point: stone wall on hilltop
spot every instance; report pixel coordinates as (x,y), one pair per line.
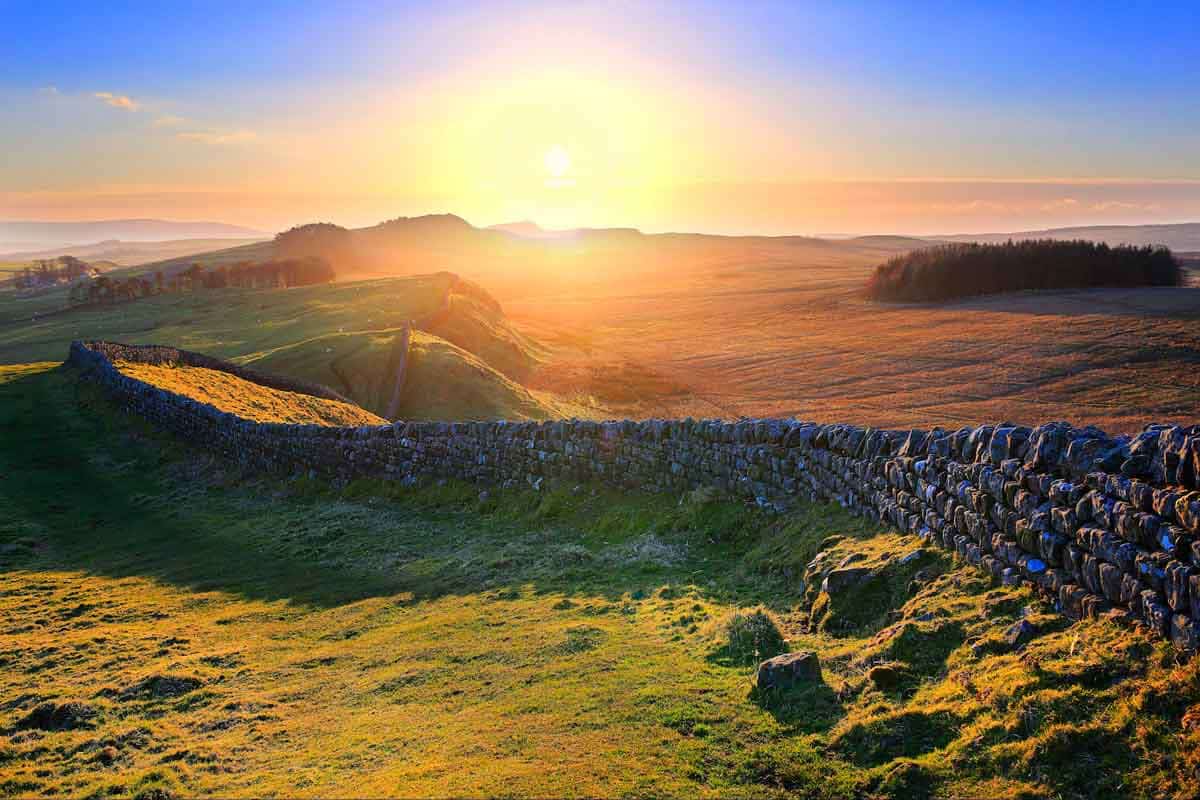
(1099,524)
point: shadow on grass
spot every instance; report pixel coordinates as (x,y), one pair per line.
(813,708)
(118,526)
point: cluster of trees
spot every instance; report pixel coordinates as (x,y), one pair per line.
(964,270)
(51,271)
(275,274)
(101,289)
(279,273)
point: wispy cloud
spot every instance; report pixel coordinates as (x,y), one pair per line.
(1119,205)
(51,90)
(169,121)
(122,101)
(1061,204)
(217,137)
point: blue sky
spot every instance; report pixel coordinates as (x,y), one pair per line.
(370,101)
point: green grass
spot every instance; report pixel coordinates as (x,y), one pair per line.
(340,335)
(241,635)
(241,324)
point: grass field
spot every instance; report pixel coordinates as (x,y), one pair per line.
(234,635)
(768,329)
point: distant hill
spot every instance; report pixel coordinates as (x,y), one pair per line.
(1181,236)
(126,254)
(518,258)
(32,235)
(528,229)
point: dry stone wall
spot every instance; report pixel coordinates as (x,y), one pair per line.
(1099,524)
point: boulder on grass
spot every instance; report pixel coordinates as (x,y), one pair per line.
(1020,633)
(885,676)
(788,670)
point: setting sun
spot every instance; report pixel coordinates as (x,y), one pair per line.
(557,161)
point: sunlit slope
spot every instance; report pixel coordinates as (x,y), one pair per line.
(248,400)
(474,321)
(467,362)
(442,380)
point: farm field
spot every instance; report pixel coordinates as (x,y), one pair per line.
(763,336)
(181,628)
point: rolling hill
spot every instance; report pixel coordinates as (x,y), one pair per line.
(36,235)
(466,360)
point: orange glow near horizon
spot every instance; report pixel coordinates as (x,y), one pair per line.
(572,117)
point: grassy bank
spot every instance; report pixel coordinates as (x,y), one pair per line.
(169,626)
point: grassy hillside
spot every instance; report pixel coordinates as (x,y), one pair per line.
(443,381)
(248,400)
(341,335)
(213,257)
(170,628)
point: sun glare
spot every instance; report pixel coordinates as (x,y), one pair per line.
(557,161)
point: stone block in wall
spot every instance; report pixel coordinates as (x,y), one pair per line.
(1141,496)
(1176,585)
(1027,535)
(1111,582)
(1090,573)
(1194,595)
(1063,520)
(1051,546)
(1046,443)
(1176,541)
(1163,500)
(1070,599)
(1187,511)
(1155,613)
(1151,570)
(1185,632)
(1052,580)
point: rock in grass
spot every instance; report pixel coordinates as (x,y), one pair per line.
(884,676)
(839,580)
(1019,633)
(788,670)
(67,716)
